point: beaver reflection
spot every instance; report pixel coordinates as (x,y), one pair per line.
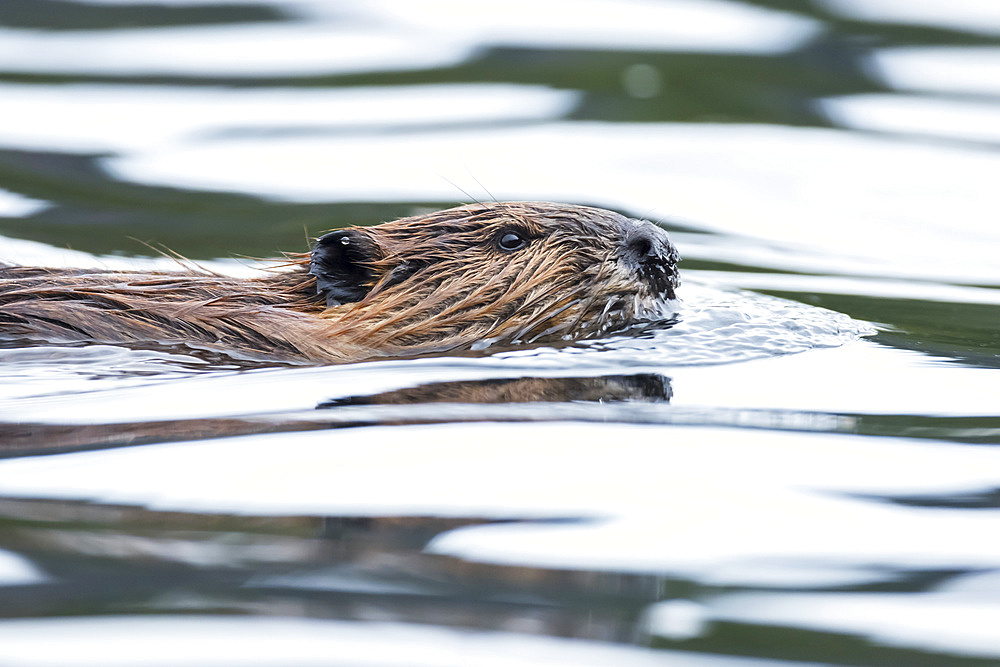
(606,389)
(462,279)
(19,438)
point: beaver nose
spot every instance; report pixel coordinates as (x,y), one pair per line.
(649,252)
(643,246)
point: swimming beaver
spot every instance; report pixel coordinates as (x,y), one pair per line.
(464,278)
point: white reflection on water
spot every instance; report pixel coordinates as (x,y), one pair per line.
(981,16)
(867,287)
(186,3)
(90,118)
(281,49)
(916,115)
(823,380)
(30,371)
(860,378)
(16,570)
(678,25)
(33,253)
(15,206)
(348,37)
(132,641)
(877,205)
(956,69)
(961,618)
(719,505)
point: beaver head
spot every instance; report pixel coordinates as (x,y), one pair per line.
(504,273)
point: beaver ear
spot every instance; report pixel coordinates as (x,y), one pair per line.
(342,263)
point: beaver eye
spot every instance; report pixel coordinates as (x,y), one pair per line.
(511,241)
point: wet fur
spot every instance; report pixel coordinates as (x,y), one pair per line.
(428,283)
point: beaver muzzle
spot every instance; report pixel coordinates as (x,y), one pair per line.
(648,252)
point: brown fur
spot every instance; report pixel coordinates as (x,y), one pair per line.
(428,283)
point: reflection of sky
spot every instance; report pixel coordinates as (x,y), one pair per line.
(678,25)
(899,382)
(166,640)
(14,205)
(16,570)
(130,119)
(372,36)
(712,504)
(253,50)
(957,69)
(962,622)
(721,506)
(917,115)
(982,16)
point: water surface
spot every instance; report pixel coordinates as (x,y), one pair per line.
(801,470)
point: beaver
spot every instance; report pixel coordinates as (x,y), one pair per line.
(465,278)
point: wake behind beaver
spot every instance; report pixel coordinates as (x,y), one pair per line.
(507,273)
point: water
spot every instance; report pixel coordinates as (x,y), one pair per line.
(802,470)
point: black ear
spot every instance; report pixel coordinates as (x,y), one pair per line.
(342,263)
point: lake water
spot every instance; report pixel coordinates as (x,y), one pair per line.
(803,470)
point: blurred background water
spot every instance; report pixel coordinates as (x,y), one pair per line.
(803,470)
